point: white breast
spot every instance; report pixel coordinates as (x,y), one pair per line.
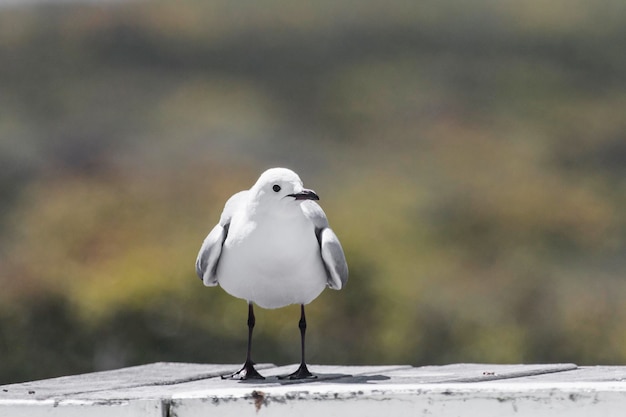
(274,263)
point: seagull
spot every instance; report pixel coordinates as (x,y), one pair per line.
(273,247)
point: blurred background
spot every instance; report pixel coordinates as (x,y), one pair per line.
(470,155)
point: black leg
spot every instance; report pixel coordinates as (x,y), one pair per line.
(302,372)
(248,371)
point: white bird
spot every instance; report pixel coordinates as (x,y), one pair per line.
(273,247)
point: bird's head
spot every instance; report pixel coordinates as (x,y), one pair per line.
(280,187)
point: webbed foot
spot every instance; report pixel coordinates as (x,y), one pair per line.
(245,373)
(301,373)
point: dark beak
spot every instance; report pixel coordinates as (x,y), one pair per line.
(305,195)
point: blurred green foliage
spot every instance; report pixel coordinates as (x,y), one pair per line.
(471,156)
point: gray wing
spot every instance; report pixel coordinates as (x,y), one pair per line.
(211,249)
(209,255)
(330,249)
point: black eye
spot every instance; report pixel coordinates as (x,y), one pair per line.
(276,188)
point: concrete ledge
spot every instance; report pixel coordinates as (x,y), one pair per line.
(185,390)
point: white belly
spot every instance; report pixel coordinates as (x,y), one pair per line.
(271,265)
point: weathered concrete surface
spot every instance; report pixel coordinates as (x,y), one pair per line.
(186,390)
(458,399)
(162,373)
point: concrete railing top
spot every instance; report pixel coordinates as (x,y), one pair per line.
(185,390)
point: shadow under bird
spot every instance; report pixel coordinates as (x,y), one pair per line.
(273,247)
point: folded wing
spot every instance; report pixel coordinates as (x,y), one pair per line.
(331,251)
(209,255)
(211,249)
